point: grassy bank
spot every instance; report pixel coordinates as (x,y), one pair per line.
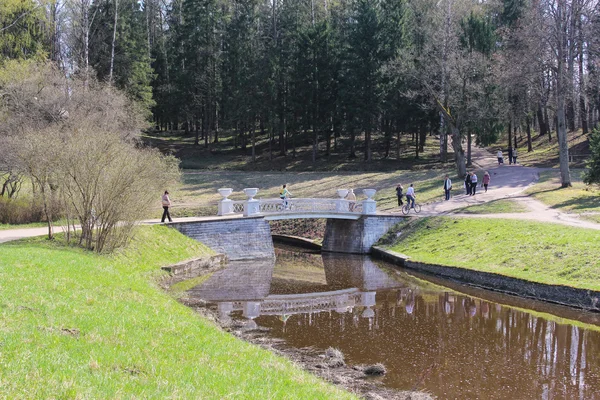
(544,151)
(578,199)
(79,325)
(501,206)
(534,251)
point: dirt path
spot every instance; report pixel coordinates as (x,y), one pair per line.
(507,182)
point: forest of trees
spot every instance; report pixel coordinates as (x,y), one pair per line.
(331,68)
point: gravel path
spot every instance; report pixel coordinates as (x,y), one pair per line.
(507,182)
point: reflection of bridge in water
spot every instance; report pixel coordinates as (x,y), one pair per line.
(342,284)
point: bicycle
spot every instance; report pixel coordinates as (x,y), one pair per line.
(406,208)
(286,204)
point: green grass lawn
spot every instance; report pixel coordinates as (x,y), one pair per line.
(534,251)
(578,198)
(78,325)
(501,206)
(545,152)
(23,226)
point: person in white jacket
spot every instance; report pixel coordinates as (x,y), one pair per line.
(447,187)
(473,183)
(410,196)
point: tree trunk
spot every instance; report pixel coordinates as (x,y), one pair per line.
(529,145)
(509,134)
(459,154)
(253,135)
(469,140)
(547,123)
(368,144)
(541,122)
(422,137)
(114,41)
(582,109)
(561,129)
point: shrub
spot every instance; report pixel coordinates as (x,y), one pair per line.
(20,211)
(592,173)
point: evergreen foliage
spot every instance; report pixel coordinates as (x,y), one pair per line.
(592,174)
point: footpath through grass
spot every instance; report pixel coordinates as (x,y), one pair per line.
(579,198)
(534,251)
(74,324)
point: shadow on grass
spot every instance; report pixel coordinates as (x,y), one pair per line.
(580,203)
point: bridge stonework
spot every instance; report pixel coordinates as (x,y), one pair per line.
(356,236)
(240,238)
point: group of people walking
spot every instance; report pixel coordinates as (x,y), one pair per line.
(471,181)
(512,156)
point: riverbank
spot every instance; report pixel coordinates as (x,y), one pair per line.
(81,325)
(544,253)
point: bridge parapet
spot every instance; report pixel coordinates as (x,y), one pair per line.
(257,207)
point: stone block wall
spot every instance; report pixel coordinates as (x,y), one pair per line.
(356,236)
(193,268)
(239,239)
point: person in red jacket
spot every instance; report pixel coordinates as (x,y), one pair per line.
(486,180)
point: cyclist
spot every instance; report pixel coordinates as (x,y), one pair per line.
(410,196)
(284,194)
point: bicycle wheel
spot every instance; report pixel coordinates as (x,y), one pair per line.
(417,208)
(405,209)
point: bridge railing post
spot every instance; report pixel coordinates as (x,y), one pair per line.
(341,204)
(251,206)
(369,205)
(225,205)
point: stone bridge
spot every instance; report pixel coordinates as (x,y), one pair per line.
(243,230)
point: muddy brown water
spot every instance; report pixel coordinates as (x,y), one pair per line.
(452,340)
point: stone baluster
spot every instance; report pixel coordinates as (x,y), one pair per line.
(225,205)
(369,205)
(341,204)
(251,206)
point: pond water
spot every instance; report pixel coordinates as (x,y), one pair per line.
(451,340)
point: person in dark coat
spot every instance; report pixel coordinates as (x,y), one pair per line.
(468,183)
(510,155)
(399,190)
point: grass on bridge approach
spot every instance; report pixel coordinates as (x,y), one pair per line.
(80,325)
(534,251)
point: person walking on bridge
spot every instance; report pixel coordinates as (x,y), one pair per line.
(166,203)
(351,197)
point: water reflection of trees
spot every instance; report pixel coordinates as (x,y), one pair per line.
(459,346)
(471,348)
